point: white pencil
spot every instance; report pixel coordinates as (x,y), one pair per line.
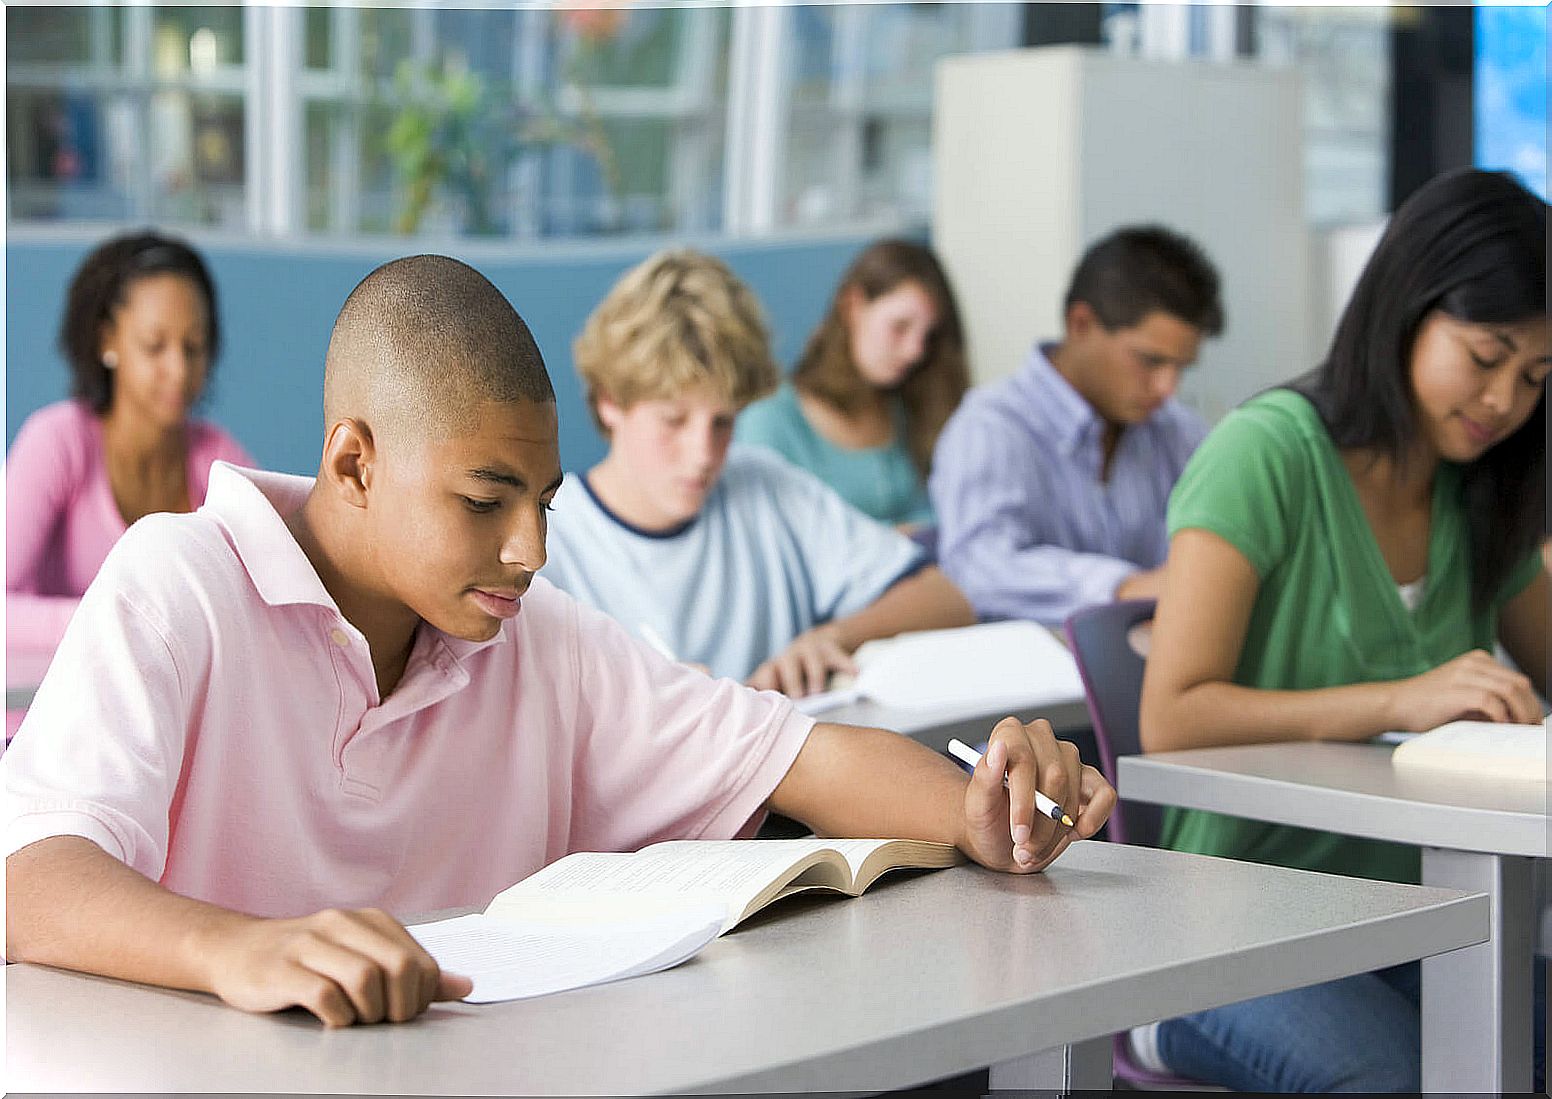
(966,754)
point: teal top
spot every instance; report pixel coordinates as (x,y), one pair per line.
(1270,482)
(880,481)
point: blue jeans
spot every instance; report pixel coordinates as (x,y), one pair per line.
(1356,1034)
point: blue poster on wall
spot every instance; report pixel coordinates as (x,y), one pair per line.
(1510,101)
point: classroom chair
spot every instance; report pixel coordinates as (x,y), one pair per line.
(1111,671)
(1112,686)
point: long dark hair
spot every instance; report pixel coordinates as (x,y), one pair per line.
(1473,244)
(933,389)
(99,287)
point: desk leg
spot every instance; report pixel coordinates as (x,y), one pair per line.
(1477,1000)
(1082,1066)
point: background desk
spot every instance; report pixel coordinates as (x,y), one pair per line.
(917,980)
(1478,835)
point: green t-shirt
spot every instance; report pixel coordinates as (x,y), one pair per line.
(1269,481)
(880,481)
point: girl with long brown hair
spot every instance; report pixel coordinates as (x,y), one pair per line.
(880,377)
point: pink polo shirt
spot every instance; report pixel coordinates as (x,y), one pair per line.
(212,720)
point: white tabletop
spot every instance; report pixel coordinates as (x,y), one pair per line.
(921,978)
(1347,788)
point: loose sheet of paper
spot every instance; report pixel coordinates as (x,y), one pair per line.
(514,960)
(993,663)
(989,665)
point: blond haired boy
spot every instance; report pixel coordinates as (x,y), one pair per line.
(741,562)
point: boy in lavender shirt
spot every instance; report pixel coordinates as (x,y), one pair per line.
(1050,486)
(311,703)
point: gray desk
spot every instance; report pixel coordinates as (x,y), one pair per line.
(1475,835)
(922,978)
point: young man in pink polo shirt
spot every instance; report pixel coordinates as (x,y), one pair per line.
(314,702)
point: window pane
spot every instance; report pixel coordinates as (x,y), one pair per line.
(903,41)
(318,137)
(615,47)
(478,41)
(49,34)
(814,63)
(67,154)
(858,141)
(386,39)
(318,38)
(196,152)
(897,168)
(196,40)
(815,156)
(1343,56)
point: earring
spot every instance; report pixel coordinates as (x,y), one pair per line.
(110,359)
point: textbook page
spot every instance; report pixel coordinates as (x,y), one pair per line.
(731,873)
(515,959)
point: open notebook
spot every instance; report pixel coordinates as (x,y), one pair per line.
(1516,753)
(991,666)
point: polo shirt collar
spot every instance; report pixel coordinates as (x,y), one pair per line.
(1063,412)
(251,505)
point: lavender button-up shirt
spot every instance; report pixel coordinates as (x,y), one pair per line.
(1027,528)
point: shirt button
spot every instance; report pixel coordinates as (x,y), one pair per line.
(340,638)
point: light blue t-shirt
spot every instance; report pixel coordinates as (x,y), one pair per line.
(880,481)
(773,553)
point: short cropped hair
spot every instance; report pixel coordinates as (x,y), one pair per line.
(1141,269)
(100,286)
(678,320)
(429,338)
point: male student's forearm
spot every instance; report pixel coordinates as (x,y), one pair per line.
(925,600)
(72,905)
(1217,714)
(860,782)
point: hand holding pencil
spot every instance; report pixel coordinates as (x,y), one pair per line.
(1019,792)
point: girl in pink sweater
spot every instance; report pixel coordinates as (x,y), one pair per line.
(140,333)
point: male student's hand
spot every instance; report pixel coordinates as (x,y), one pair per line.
(345,967)
(1002,829)
(805,667)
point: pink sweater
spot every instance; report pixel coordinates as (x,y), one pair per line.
(61,520)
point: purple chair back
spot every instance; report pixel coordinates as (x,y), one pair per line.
(1112,687)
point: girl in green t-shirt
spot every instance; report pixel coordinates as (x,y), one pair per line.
(1344,553)
(878,380)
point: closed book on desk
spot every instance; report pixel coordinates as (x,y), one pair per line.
(593,917)
(1481,748)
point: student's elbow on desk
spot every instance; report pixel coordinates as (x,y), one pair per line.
(33,897)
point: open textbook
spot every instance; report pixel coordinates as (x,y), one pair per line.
(1489,749)
(992,665)
(594,917)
